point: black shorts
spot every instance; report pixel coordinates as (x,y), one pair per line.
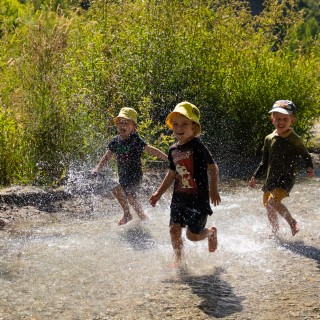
(131,189)
(194,218)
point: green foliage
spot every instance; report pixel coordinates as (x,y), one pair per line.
(66,73)
(304,37)
(8,158)
(42,116)
(9,15)
(153,133)
(311,9)
(52,4)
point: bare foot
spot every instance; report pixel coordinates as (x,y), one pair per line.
(178,264)
(213,240)
(124,220)
(175,265)
(273,236)
(274,233)
(295,228)
(144,217)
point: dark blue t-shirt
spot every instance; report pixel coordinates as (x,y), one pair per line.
(128,153)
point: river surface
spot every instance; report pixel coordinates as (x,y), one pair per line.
(77,263)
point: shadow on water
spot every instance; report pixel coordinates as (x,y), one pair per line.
(218,298)
(138,238)
(302,249)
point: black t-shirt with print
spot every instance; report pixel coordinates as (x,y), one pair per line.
(128,153)
(190,162)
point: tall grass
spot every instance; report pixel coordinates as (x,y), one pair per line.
(67,73)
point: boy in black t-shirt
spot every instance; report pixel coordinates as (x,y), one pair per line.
(190,162)
(128,147)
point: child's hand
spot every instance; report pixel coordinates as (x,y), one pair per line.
(215,197)
(252,182)
(310,173)
(94,172)
(154,199)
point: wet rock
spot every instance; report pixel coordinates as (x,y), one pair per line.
(26,195)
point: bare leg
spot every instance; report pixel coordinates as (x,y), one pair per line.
(209,233)
(137,207)
(177,244)
(273,218)
(122,199)
(213,240)
(284,212)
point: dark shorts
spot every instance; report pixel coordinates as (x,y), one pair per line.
(194,218)
(131,189)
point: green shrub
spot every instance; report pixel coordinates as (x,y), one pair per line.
(66,74)
(9,158)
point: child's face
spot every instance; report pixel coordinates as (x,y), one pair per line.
(183,128)
(125,127)
(282,122)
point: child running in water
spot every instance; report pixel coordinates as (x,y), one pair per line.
(282,151)
(189,164)
(128,147)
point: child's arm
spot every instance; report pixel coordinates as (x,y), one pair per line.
(263,165)
(106,157)
(155,152)
(214,178)
(166,183)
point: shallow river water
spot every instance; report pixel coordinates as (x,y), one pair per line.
(77,263)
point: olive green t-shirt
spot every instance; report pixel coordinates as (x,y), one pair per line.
(281,159)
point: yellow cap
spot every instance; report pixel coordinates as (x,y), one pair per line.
(127,113)
(188,110)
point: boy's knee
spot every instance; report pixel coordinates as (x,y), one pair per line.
(116,189)
(114,192)
(272,205)
(192,236)
(175,229)
(271,202)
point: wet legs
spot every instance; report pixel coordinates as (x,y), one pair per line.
(209,233)
(273,219)
(137,207)
(177,244)
(124,201)
(274,207)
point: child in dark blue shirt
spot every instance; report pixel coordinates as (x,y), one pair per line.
(128,148)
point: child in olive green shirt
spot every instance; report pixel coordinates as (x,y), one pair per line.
(282,152)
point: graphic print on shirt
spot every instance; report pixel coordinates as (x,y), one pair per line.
(185,182)
(123,152)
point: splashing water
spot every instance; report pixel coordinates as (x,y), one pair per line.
(79,264)
(82,181)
